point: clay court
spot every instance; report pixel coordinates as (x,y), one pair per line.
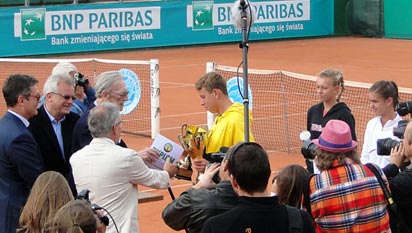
(360,59)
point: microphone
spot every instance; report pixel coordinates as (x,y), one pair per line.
(241,11)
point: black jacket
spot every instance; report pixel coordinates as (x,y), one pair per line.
(42,130)
(400,184)
(195,206)
(316,121)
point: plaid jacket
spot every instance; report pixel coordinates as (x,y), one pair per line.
(348,198)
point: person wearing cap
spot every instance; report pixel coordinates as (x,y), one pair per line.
(346,195)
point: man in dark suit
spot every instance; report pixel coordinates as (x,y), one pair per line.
(20,159)
(110,87)
(53,126)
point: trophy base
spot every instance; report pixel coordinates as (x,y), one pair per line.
(184,174)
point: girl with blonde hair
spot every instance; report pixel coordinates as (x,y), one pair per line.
(49,193)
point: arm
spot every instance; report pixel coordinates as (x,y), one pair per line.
(177,213)
(350,120)
(25,155)
(365,149)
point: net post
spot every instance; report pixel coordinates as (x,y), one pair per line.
(154,97)
(210,66)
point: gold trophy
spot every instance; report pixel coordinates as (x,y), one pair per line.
(192,139)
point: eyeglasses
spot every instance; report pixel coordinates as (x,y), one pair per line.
(38,96)
(121,94)
(66,97)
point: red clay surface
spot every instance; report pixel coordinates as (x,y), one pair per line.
(360,59)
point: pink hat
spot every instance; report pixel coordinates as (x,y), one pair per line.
(336,137)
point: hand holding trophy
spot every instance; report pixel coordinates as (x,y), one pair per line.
(192,139)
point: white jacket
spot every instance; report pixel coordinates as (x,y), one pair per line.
(111,173)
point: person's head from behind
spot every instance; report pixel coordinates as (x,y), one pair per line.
(59,93)
(21,94)
(76,216)
(48,194)
(383,97)
(249,168)
(104,121)
(335,144)
(211,88)
(329,85)
(110,87)
(65,68)
(289,183)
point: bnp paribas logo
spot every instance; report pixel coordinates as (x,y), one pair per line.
(202,15)
(32,24)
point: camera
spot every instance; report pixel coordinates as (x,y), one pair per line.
(404,108)
(385,145)
(84,195)
(80,80)
(308,149)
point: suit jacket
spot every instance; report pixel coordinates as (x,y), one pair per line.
(81,133)
(20,165)
(42,130)
(111,172)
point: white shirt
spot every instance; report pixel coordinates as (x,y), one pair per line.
(374,131)
(111,173)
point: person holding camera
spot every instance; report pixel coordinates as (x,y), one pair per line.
(346,196)
(383,98)
(85,94)
(329,89)
(204,200)
(400,182)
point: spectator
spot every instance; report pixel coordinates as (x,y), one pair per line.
(204,200)
(257,212)
(110,87)
(76,216)
(329,89)
(20,158)
(288,185)
(49,193)
(85,94)
(400,182)
(228,128)
(383,98)
(111,172)
(53,126)
(345,196)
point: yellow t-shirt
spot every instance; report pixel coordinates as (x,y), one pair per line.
(228,129)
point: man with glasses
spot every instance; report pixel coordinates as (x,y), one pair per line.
(84,92)
(53,126)
(110,87)
(20,159)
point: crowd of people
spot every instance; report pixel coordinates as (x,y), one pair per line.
(62,161)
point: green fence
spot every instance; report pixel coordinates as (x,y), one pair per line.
(398,18)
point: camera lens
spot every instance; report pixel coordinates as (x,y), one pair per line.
(308,149)
(385,145)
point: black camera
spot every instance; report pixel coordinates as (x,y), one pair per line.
(308,149)
(80,80)
(385,145)
(404,108)
(84,195)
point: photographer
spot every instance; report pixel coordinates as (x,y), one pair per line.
(400,183)
(85,94)
(204,200)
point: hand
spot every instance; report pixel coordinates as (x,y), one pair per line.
(199,164)
(79,93)
(398,155)
(101,228)
(170,168)
(206,180)
(148,155)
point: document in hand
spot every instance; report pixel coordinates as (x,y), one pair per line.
(167,149)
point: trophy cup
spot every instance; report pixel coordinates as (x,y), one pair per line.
(192,139)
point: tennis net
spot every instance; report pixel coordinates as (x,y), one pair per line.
(141,120)
(280,101)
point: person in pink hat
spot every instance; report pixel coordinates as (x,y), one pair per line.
(346,195)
